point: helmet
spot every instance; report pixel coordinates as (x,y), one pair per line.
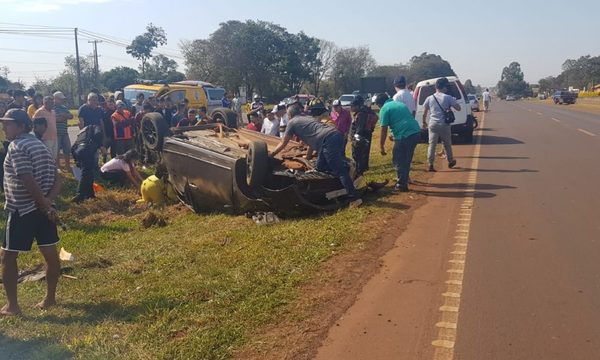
(256,97)
(316,107)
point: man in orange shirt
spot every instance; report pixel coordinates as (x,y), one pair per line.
(122,128)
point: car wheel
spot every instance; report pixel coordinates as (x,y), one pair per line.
(257,164)
(225,116)
(154,128)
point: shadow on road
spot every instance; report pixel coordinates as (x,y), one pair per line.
(494,157)
(499,140)
(457,194)
(486,129)
(494,170)
(466,186)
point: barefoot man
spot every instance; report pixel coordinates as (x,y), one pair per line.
(31,184)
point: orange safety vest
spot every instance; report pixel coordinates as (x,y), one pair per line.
(121,131)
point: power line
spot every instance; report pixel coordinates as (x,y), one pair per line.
(37,51)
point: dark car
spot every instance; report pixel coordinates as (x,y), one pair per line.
(564,97)
(215,168)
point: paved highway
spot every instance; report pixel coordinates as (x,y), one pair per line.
(503,260)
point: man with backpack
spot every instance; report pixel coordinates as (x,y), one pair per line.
(361,133)
(406,133)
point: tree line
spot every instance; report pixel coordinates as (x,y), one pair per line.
(582,73)
(258,56)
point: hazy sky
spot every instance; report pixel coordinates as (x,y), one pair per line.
(478,38)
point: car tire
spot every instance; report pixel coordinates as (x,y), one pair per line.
(154,128)
(257,164)
(225,116)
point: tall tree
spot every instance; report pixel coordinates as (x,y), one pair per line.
(141,47)
(512,81)
(322,67)
(349,66)
(163,68)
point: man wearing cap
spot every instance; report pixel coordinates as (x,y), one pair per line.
(18,100)
(270,124)
(50,136)
(122,129)
(326,141)
(63,115)
(342,120)
(406,132)
(31,184)
(403,95)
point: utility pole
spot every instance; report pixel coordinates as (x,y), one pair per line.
(96,67)
(79,89)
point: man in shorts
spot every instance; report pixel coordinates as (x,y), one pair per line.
(31,184)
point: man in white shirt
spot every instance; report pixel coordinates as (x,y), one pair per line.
(271,123)
(403,95)
(487,98)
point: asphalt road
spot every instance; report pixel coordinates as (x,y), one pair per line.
(503,260)
(531,286)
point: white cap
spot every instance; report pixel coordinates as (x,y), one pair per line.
(336,103)
(59,95)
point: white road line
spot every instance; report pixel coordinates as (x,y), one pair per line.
(556,120)
(586,132)
(540,114)
(447,325)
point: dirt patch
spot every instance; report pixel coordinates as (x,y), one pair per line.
(301,329)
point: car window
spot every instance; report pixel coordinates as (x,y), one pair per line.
(472,97)
(428,90)
(131,94)
(214,94)
(177,96)
(346,99)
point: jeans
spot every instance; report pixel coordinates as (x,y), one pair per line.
(331,159)
(439,132)
(360,153)
(88,164)
(402,156)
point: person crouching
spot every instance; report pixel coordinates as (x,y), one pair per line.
(121,170)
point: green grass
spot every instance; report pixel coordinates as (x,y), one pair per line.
(75,120)
(198,288)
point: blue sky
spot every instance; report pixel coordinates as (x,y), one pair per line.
(477,38)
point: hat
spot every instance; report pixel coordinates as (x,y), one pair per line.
(120,103)
(59,95)
(18,93)
(117,93)
(336,103)
(400,80)
(275,109)
(17,115)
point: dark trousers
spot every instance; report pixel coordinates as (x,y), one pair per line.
(87,163)
(360,153)
(402,156)
(118,177)
(332,159)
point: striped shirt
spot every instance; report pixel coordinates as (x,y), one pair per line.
(26,155)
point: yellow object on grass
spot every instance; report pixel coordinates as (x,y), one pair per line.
(153,190)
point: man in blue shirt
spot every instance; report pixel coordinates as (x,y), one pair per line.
(406,132)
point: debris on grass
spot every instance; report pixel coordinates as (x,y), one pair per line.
(151,219)
(65,255)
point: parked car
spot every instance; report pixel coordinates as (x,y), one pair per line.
(215,168)
(474,102)
(542,96)
(464,122)
(510,98)
(347,99)
(564,97)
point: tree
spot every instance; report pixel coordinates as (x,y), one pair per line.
(469,88)
(199,60)
(163,68)
(141,47)
(349,66)
(428,66)
(323,65)
(119,77)
(512,81)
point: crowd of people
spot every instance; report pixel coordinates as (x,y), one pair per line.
(36,140)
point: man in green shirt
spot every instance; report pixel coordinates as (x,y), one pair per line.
(406,132)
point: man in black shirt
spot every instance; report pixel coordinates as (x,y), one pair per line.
(18,100)
(91,114)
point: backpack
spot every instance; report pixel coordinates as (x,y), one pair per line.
(86,141)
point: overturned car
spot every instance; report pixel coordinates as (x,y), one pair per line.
(216,168)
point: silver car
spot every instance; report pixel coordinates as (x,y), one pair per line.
(474,102)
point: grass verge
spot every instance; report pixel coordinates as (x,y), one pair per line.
(198,288)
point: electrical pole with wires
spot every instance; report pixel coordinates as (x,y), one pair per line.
(79,90)
(96,66)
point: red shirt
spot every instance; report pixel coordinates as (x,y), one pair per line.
(253,127)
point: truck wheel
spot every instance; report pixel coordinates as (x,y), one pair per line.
(257,164)
(154,128)
(225,116)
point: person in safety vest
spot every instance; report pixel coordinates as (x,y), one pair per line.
(123,130)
